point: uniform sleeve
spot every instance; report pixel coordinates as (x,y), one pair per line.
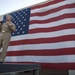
(14,27)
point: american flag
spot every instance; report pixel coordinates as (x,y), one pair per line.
(45,34)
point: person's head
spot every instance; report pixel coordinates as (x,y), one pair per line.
(0,22)
(8,17)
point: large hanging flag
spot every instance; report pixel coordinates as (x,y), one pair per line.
(45,34)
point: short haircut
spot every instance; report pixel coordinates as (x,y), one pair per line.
(9,15)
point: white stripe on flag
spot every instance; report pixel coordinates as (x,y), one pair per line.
(44,35)
(53,24)
(59,45)
(42,59)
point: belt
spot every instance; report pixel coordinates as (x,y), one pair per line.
(5,31)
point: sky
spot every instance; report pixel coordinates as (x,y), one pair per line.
(7,6)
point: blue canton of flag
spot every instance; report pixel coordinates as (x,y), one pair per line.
(21,20)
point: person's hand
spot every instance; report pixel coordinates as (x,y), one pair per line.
(8,23)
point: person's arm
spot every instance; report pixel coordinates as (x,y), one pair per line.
(12,27)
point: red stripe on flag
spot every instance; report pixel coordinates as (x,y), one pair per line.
(51,29)
(54,52)
(44,40)
(60,66)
